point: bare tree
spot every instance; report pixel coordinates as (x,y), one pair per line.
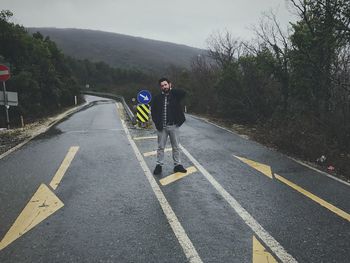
(204,75)
(223,48)
(271,35)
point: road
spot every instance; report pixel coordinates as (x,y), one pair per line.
(84,192)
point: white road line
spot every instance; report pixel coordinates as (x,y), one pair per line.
(43,129)
(279,251)
(218,126)
(186,244)
(296,160)
(93,130)
(322,172)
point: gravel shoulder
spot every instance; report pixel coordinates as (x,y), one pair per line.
(12,139)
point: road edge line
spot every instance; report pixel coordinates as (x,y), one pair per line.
(289,157)
(43,130)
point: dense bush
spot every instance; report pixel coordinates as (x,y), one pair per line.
(46,80)
(295,86)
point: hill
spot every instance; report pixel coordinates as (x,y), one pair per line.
(119,50)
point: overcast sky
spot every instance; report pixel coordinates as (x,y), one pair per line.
(188,22)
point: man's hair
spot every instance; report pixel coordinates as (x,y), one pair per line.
(163,79)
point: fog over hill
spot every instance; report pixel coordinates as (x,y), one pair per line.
(120,50)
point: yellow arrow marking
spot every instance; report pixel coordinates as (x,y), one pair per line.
(64,166)
(315,198)
(263,168)
(155,152)
(177,176)
(43,204)
(144,138)
(260,255)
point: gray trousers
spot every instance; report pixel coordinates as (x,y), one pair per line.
(173,132)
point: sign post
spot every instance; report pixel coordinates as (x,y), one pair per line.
(143,109)
(5,75)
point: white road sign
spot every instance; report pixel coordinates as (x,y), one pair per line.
(12,98)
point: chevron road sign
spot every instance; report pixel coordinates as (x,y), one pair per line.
(143,111)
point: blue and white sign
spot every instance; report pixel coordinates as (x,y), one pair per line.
(144,97)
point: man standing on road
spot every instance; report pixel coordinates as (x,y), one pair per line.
(168,116)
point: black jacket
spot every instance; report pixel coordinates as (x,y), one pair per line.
(175,97)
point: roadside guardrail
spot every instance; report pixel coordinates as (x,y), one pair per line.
(115,97)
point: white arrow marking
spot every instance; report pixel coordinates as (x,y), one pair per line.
(144,97)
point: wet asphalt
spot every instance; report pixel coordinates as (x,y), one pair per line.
(111,214)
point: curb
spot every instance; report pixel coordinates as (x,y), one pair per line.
(44,129)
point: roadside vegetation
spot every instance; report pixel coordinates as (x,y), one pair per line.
(289,86)
(292,85)
(46,80)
